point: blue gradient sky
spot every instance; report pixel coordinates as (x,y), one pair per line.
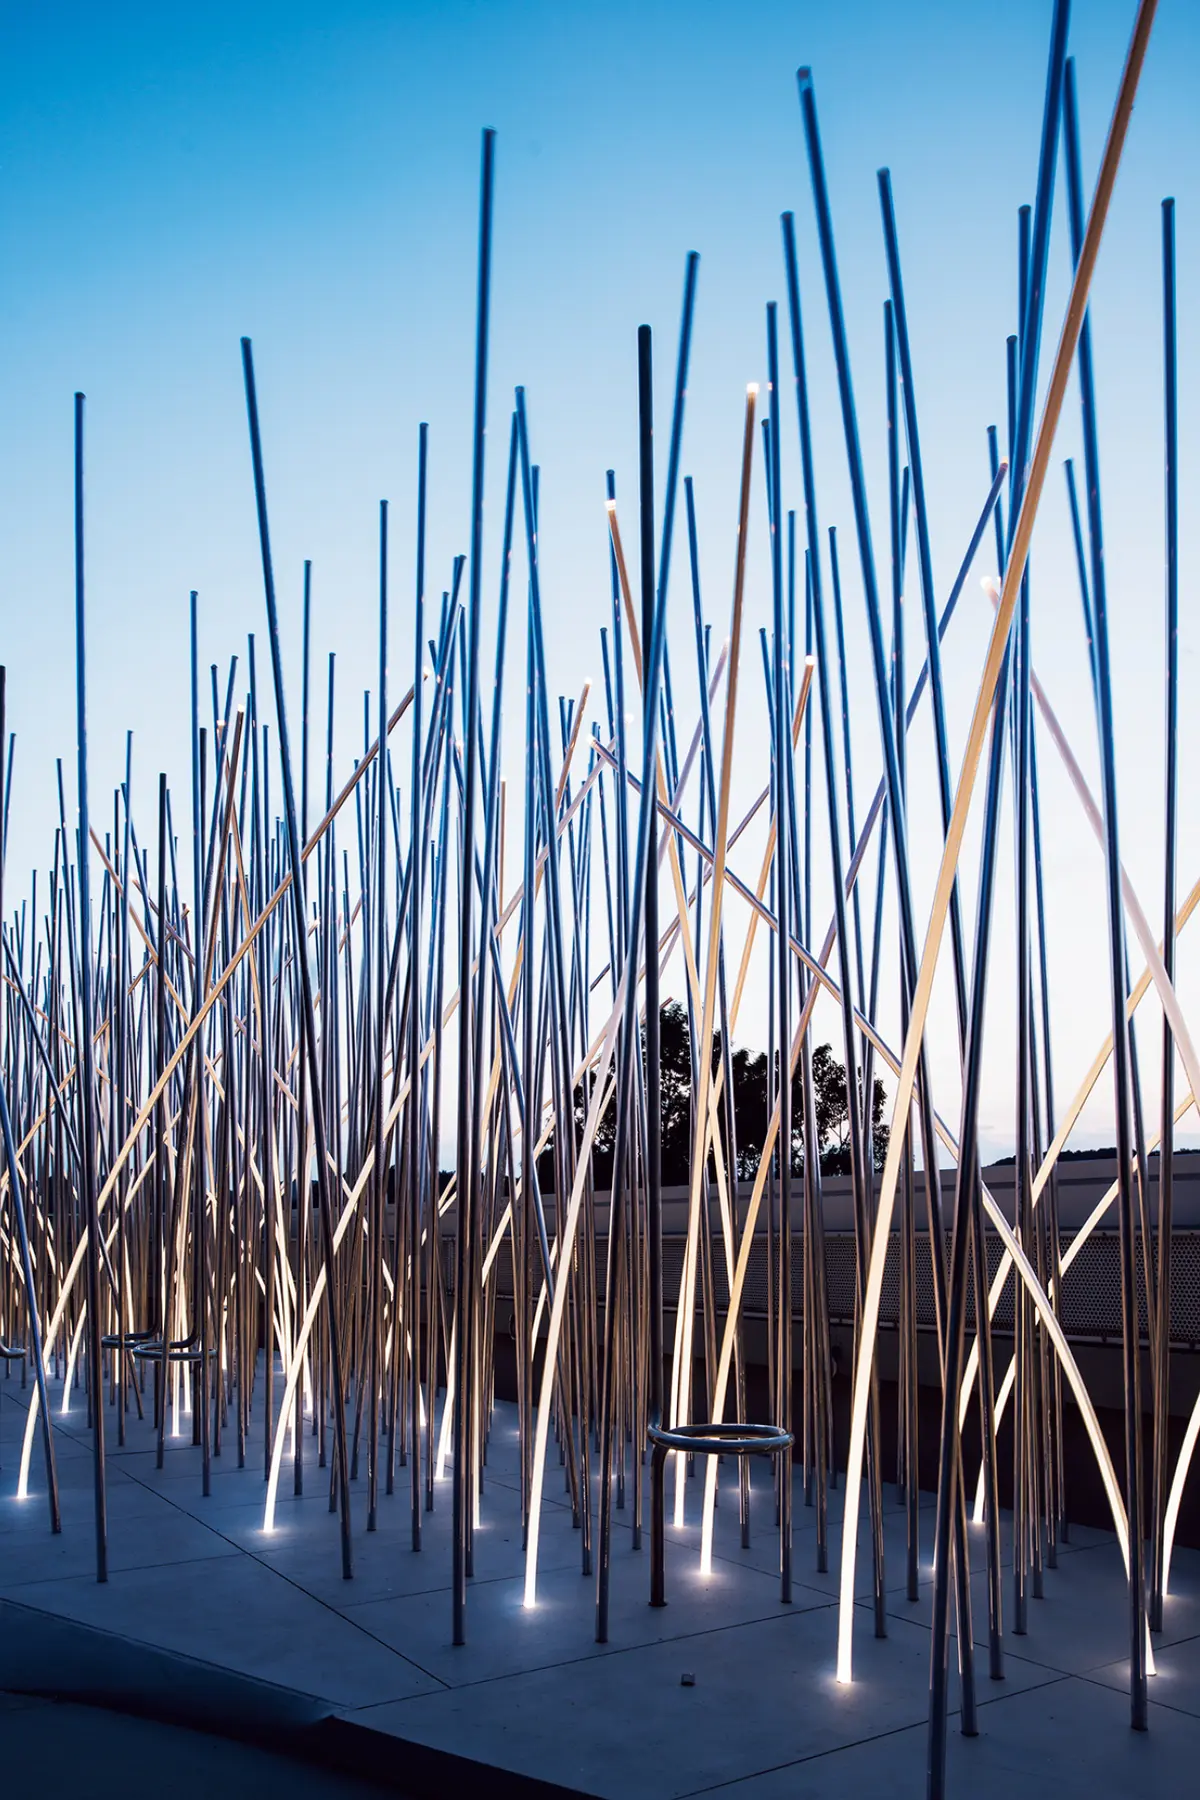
(170,179)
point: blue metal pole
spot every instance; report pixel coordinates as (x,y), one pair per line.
(783,955)
(87,1059)
(379,1185)
(416,850)
(1138,1697)
(949,1469)
(1166,1145)
(467,1157)
(308,1023)
(894,789)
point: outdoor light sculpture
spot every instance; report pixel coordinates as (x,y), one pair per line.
(178,1078)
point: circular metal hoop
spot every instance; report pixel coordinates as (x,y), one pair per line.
(132,1340)
(184,1351)
(723,1440)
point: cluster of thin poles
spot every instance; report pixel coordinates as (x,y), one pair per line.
(222,1199)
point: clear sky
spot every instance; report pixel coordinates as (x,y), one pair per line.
(171,178)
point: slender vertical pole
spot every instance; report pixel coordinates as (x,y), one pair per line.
(784,814)
(1138,1697)
(899,318)
(35,1333)
(162,1185)
(1129,1311)
(307,1020)
(87,1057)
(199,1095)
(903,889)
(949,1463)
(468,1136)
(14,1176)
(305,672)
(416,851)
(121,1095)
(375,1286)
(653,1163)
(862,1228)
(1166,1142)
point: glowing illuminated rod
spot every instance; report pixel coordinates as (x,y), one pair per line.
(973,753)
(1155,971)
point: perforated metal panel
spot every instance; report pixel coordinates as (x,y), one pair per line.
(1089,1304)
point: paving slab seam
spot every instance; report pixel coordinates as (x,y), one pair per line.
(603,1653)
(870,1737)
(1018,1656)
(12,1590)
(238,1549)
(734,1562)
(823,1603)
(280,1575)
(66,1626)
(289,1721)
(1090,1676)
(338,1613)
(357,1741)
(475,1582)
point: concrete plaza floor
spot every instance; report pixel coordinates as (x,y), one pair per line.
(55,1747)
(208,1621)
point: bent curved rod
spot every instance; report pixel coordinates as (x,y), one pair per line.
(817,967)
(401,1093)
(972,756)
(212,995)
(601,1094)
(1155,972)
(354,1194)
(1014,1254)
(1175,1497)
(951,1145)
(1069,1254)
(181,1049)
(594,1055)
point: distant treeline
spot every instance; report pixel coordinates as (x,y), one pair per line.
(753,1096)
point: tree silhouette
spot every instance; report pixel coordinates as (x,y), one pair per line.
(753,1098)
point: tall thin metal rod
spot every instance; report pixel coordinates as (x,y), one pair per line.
(784,818)
(88,1171)
(649,897)
(308,1023)
(922,993)
(467,1149)
(949,1471)
(858,1188)
(416,850)
(1166,1143)
(379,1184)
(35,1330)
(1134,1496)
